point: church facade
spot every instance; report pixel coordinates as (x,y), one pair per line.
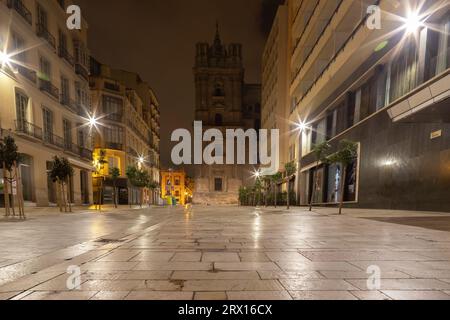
(223,101)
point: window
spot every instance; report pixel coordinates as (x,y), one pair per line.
(67,128)
(21,109)
(112,108)
(17,44)
(218,184)
(113,134)
(177,181)
(42,17)
(65,90)
(45,68)
(81,96)
(219,120)
(113,162)
(218,91)
(48,124)
(81,137)
(62,42)
(404,71)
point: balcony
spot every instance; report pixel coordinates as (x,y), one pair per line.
(111,86)
(21,9)
(113,145)
(47,87)
(63,53)
(43,33)
(82,71)
(69,103)
(27,73)
(28,129)
(53,140)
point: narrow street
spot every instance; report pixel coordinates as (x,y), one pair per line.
(226,253)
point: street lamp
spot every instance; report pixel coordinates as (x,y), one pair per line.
(5,59)
(413,22)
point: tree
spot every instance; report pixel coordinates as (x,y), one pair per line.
(243,195)
(276,180)
(9,159)
(290,170)
(138,178)
(348,152)
(267,182)
(319,151)
(257,192)
(153,187)
(60,173)
(114,174)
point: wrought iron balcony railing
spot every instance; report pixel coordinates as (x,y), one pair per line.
(69,103)
(27,73)
(48,87)
(82,71)
(43,33)
(21,9)
(29,129)
(63,53)
(52,139)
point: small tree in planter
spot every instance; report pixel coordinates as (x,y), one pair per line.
(10,158)
(114,174)
(276,180)
(139,179)
(290,170)
(257,192)
(319,151)
(348,152)
(60,173)
(266,184)
(153,187)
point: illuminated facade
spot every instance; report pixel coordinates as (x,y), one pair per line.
(223,101)
(44,96)
(127,132)
(385,88)
(176,184)
(275,82)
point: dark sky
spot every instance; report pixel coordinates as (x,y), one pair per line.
(156,38)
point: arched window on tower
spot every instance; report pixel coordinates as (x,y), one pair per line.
(219,119)
(218,90)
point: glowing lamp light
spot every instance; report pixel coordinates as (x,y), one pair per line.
(141,159)
(4,59)
(93,122)
(302,126)
(412,23)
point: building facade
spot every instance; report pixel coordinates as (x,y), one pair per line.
(275,82)
(386,89)
(223,101)
(175,183)
(127,132)
(44,94)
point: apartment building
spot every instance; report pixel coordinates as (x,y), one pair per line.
(275,81)
(44,95)
(385,88)
(126,132)
(175,183)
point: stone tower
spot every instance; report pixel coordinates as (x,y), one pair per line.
(221,103)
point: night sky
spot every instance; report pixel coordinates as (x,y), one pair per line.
(156,38)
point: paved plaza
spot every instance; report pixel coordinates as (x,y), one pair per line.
(226,253)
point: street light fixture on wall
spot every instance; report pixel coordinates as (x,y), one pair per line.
(413,22)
